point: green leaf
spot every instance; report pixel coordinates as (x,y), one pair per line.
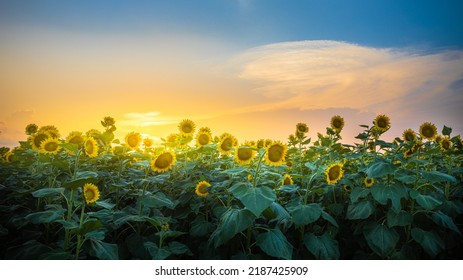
(445,221)
(438,177)
(103,250)
(157,200)
(358,193)
(232,222)
(405,178)
(44,217)
(48,192)
(280,211)
(90,225)
(254,199)
(234,171)
(384,193)
(401,218)
(305,214)
(105,204)
(329,218)
(381,239)
(360,210)
(429,241)
(322,247)
(426,201)
(30,250)
(79,183)
(446,131)
(178,248)
(156,252)
(96,235)
(275,244)
(200,227)
(379,169)
(70,146)
(310,166)
(128,218)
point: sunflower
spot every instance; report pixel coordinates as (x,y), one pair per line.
(438,139)
(275,153)
(334,173)
(148,142)
(37,139)
(445,143)
(408,153)
(186,127)
(133,140)
(163,162)
(409,135)
(337,123)
(8,156)
(347,188)
(90,147)
(260,143)
(428,130)
(75,137)
(227,143)
(301,129)
(369,181)
(91,193)
(50,146)
(205,129)
(287,180)
(249,177)
(201,187)
(268,142)
(203,138)
(244,155)
(92,132)
(31,128)
(51,130)
(382,123)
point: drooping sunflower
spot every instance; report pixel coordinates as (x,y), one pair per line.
(187,127)
(91,193)
(8,156)
(409,135)
(75,137)
(92,132)
(275,153)
(337,123)
(287,180)
(227,143)
(148,142)
(51,130)
(90,147)
(203,138)
(201,187)
(428,130)
(445,144)
(369,181)
(133,140)
(334,173)
(31,128)
(438,139)
(244,155)
(50,146)
(382,123)
(163,162)
(37,139)
(301,129)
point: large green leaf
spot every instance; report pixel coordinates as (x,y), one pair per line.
(426,201)
(358,193)
(232,222)
(156,252)
(48,192)
(438,177)
(384,193)
(305,214)
(90,225)
(379,169)
(44,217)
(275,244)
(329,218)
(157,200)
(360,210)
(381,239)
(400,218)
(445,221)
(322,247)
(254,199)
(430,241)
(200,227)
(103,250)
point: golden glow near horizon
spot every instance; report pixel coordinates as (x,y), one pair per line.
(149,85)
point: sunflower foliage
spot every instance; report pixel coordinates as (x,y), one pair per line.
(197,195)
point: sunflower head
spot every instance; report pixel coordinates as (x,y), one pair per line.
(382,123)
(337,123)
(148,142)
(287,180)
(428,130)
(163,162)
(369,181)
(90,147)
(205,129)
(275,153)
(445,144)
(201,187)
(31,128)
(133,140)
(244,154)
(347,188)
(186,127)
(75,137)
(51,130)
(301,129)
(334,173)
(260,143)
(92,132)
(203,138)
(409,135)
(8,156)
(227,143)
(50,146)
(37,139)
(91,193)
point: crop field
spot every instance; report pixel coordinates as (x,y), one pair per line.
(198,195)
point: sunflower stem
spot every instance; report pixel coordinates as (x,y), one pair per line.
(79,236)
(67,233)
(254,177)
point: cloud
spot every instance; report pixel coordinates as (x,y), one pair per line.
(134,120)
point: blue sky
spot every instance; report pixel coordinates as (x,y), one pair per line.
(223,63)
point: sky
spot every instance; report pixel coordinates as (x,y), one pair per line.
(253,68)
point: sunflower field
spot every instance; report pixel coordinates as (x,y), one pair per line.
(200,196)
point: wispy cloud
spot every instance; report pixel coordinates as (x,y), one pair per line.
(137,120)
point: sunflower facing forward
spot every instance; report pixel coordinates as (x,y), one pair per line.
(409,135)
(337,123)
(445,144)
(186,127)
(382,123)
(275,153)
(369,181)
(37,139)
(203,138)
(244,155)
(163,162)
(227,143)
(287,180)
(301,129)
(133,140)
(334,173)
(50,146)
(91,193)
(91,147)
(201,187)
(428,130)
